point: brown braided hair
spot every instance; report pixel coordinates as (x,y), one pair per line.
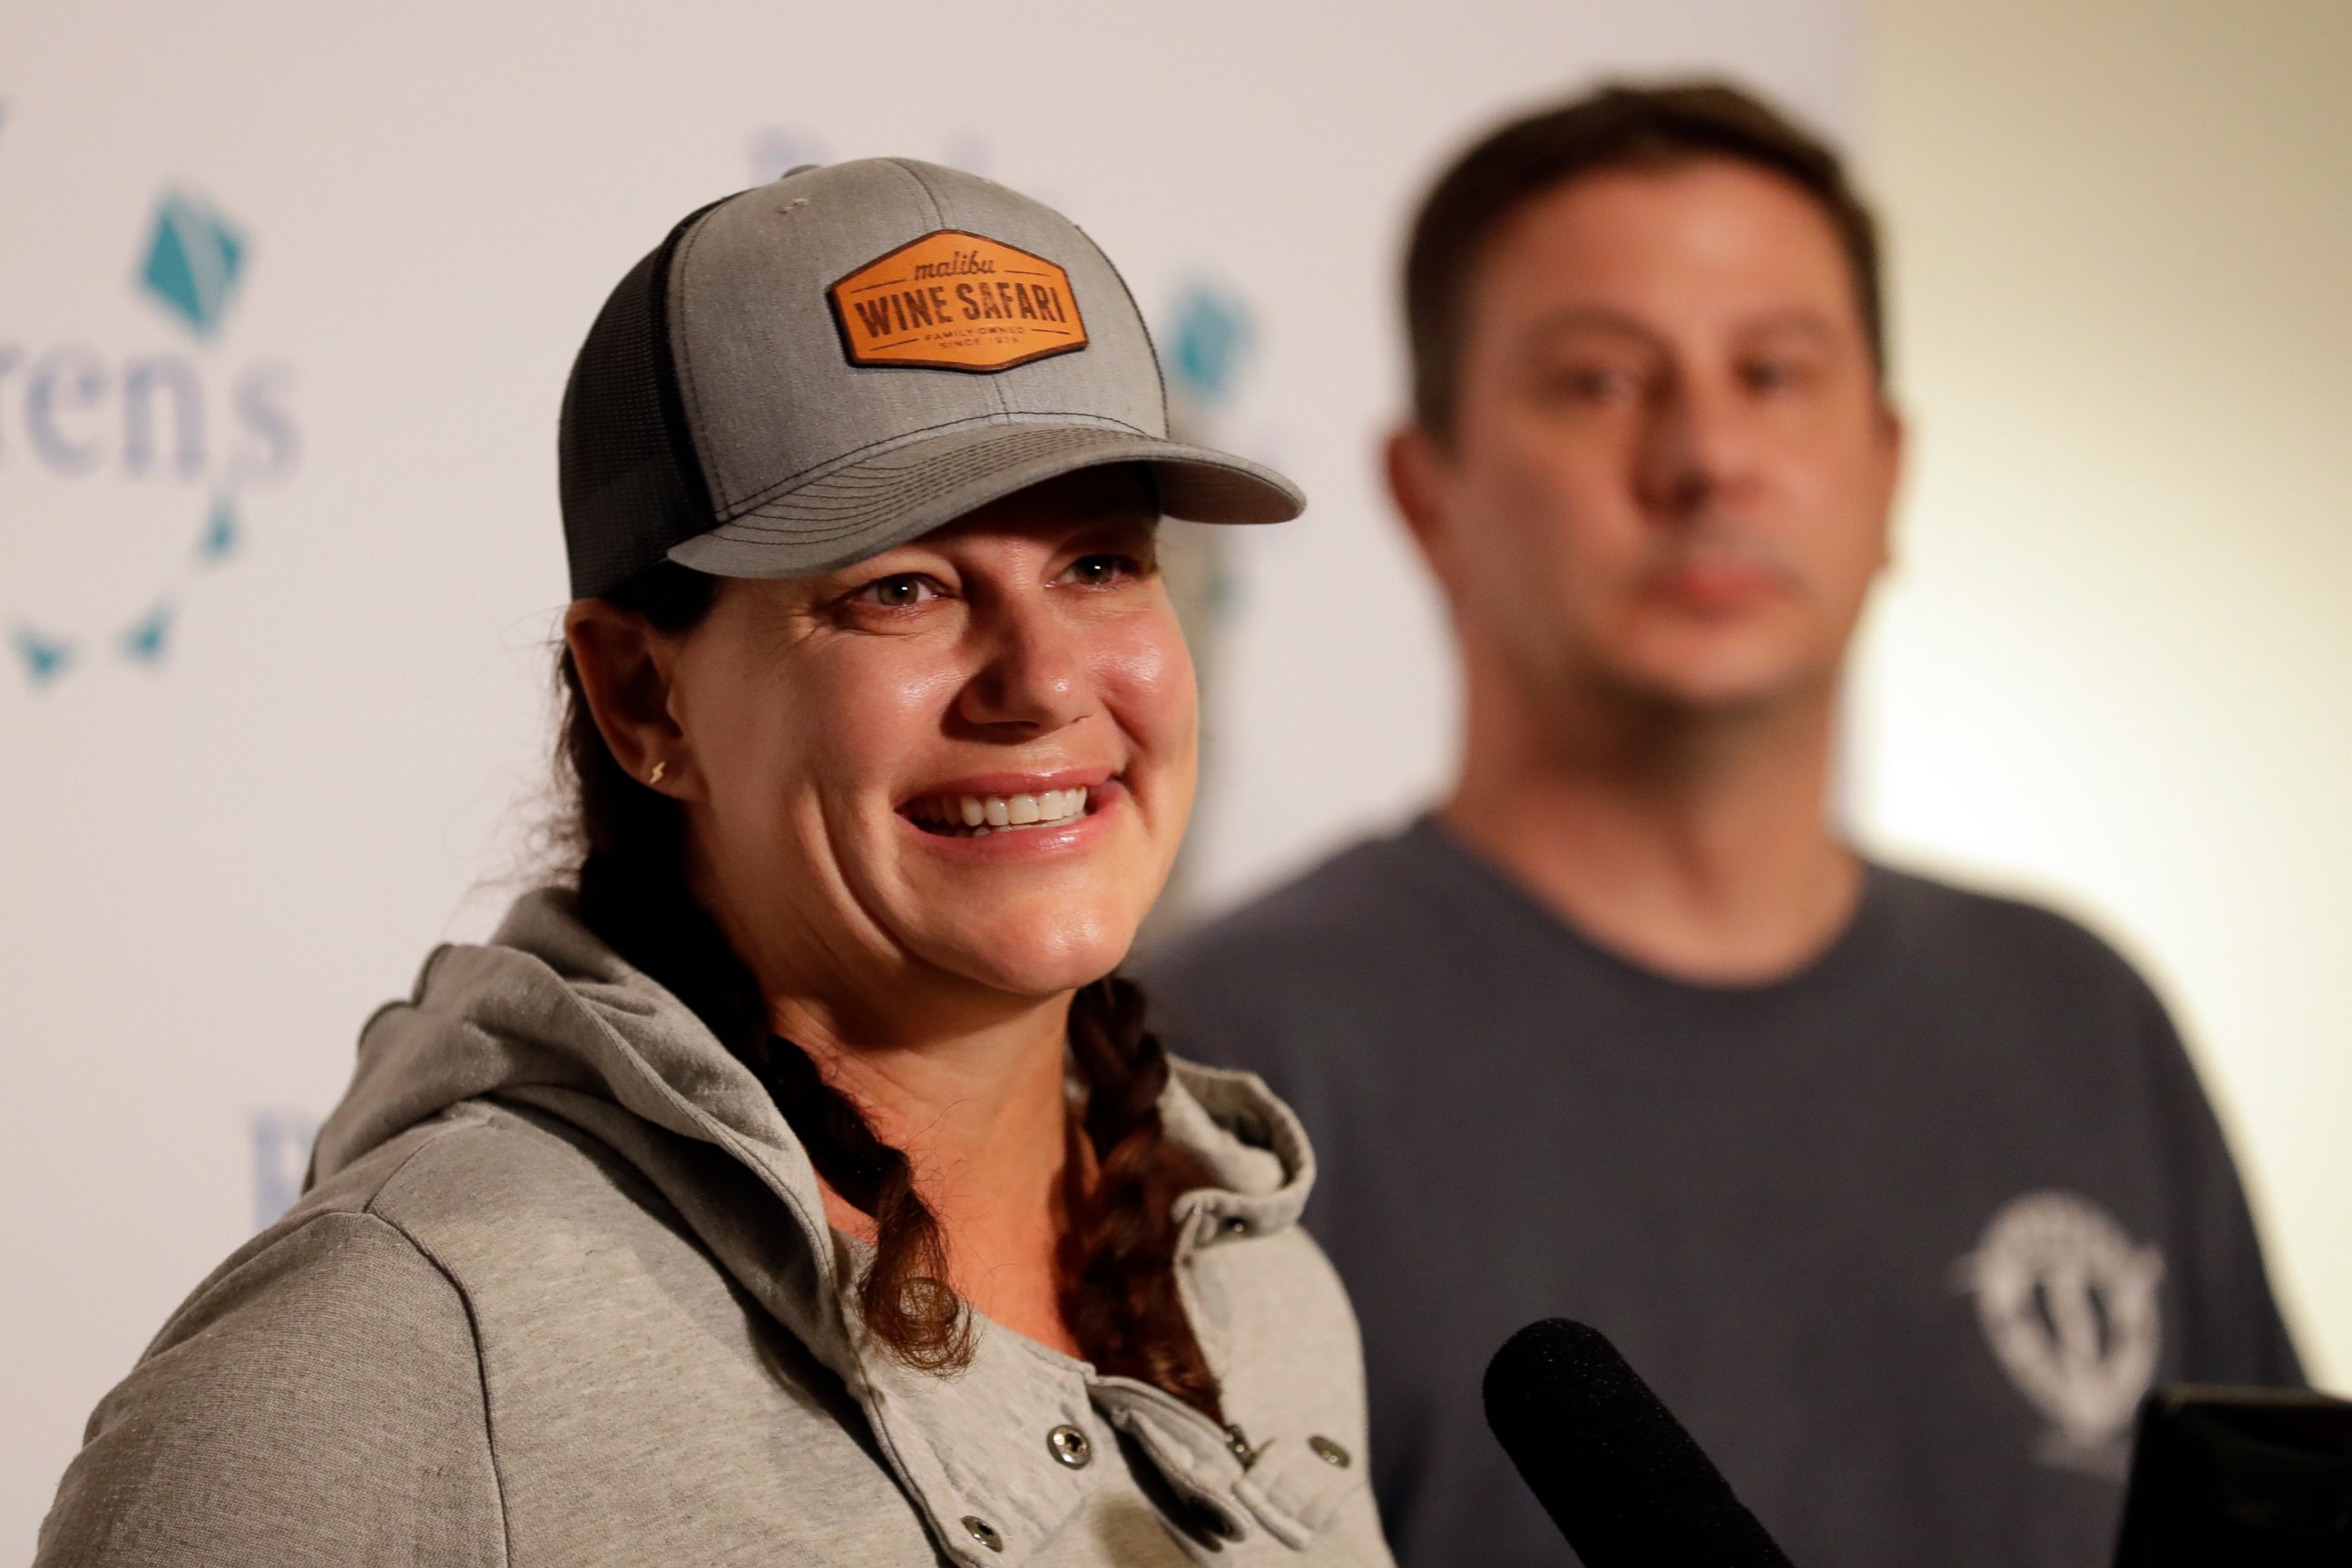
(1115,1259)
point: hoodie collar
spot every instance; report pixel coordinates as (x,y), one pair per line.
(547,1015)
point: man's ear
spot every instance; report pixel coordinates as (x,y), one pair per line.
(1891,437)
(625,671)
(1415,463)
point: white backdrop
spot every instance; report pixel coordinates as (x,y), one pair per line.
(286,297)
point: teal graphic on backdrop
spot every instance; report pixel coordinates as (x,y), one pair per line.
(1206,342)
(119,449)
(1209,342)
(193,261)
(281,1154)
(45,658)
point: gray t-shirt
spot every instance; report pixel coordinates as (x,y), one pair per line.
(1902,1239)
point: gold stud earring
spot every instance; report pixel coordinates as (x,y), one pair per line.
(660,768)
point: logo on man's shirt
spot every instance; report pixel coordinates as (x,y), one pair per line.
(2068,1302)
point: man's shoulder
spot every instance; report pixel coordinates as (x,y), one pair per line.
(1360,894)
(1330,956)
(2002,932)
(2017,969)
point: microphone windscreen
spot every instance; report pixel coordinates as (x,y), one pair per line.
(1608,1461)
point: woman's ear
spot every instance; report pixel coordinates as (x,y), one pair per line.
(625,667)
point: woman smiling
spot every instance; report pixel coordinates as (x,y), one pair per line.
(798,1183)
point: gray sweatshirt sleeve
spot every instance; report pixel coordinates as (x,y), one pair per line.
(320,1400)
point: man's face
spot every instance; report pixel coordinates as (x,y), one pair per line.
(1671,468)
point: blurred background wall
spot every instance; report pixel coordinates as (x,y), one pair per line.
(288,293)
(2114,669)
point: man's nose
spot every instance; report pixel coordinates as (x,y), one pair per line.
(1033,677)
(1698,444)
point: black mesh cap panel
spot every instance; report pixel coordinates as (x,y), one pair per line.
(631,483)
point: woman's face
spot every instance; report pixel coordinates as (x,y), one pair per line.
(1022,666)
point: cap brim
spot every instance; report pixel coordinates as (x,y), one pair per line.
(864,508)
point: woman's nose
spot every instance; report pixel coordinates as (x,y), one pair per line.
(1033,677)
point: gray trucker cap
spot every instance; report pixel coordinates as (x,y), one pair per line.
(812,372)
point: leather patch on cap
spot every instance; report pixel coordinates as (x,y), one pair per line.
(953,301)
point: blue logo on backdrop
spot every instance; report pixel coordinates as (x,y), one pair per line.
(282,1152)
(1207,344)
(193,261)
(128,467)
(1209,341)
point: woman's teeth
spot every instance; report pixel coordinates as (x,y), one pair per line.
(978,816)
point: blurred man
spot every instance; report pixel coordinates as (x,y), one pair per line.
(1902,1196)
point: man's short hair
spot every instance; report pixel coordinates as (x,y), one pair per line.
(1617,127)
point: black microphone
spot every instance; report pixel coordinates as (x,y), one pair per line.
(1615,1470)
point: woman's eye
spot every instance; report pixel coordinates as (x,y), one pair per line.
(1101,571)
(902,592)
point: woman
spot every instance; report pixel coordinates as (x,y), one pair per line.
(798,1186)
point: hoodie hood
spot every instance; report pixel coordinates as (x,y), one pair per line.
(547,1014)
(546,1017)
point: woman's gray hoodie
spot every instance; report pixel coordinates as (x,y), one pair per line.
(563,1292)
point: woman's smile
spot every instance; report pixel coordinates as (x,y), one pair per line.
(1065,809)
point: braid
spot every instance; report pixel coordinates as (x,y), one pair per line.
(1116,1256)
(905,1299)
(1117,1252)
(633,893)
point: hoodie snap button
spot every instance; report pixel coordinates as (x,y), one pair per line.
(984,1532)
(1327,1451)
(1072,1446)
